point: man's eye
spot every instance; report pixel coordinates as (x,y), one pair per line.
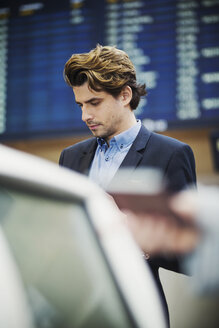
(96,103)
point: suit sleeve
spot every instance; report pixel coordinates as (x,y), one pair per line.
(61,158)
(180,174)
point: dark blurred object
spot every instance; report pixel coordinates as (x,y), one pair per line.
(214,137)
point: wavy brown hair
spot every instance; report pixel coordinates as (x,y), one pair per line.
(105,68)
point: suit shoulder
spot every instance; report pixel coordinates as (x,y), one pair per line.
(159,141)
(70,156)
(80,146)
(167,142)
(175,158)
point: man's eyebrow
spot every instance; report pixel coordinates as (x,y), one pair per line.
(89,100)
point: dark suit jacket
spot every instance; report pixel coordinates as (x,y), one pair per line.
(149,149)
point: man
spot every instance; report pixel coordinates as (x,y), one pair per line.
(105,87)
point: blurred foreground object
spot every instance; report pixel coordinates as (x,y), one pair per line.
(203,209)
(156,227)
(186,223)
(71,260)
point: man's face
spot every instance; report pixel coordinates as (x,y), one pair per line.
(105,115)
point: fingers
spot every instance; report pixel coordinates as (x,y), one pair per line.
(156,234)
(185,205)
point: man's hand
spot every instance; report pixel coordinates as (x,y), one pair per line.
(157,234)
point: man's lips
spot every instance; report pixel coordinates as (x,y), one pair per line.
(93,126)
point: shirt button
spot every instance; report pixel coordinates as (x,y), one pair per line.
(106,159)
(121,146)
(146,256)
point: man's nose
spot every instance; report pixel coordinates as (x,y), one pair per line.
(86,114)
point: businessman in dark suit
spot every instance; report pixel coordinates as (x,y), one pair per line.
(105,87)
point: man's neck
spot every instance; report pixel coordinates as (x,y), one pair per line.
(126,128)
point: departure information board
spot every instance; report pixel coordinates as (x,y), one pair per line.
(174,46)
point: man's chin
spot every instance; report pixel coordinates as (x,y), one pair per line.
(98,134)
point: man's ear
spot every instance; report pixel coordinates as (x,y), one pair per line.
(126,95)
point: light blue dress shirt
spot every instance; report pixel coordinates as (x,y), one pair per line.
(107,160)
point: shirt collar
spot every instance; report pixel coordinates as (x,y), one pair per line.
(124,139)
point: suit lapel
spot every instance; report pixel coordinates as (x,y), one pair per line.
(87,157)
(131,160)
(137,150)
